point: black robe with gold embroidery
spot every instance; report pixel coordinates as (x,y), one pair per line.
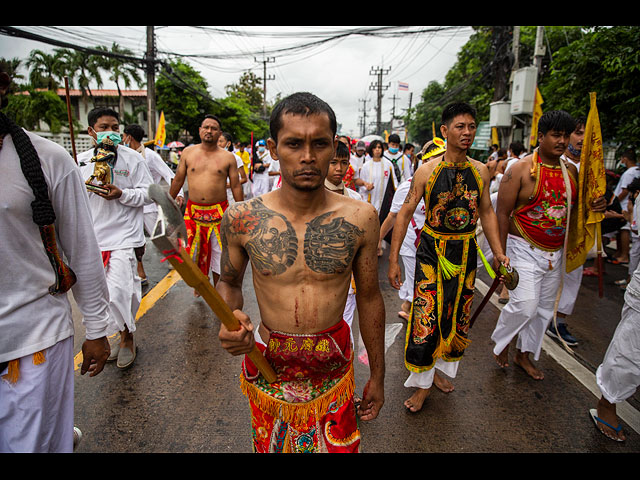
(445,267)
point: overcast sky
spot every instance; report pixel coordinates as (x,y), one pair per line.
(338,71)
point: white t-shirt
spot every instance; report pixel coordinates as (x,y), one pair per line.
(159,171)
(408,246)
(119,223)
(30,318)
(266,159)
(379,173)
(403,162)
(625,179)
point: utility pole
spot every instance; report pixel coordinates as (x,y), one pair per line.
(364,115)
(264,62)
(379,88)
(151,82)
(538,53)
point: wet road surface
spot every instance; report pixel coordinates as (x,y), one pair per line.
(183,394)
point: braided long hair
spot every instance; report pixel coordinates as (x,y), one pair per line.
(42,210)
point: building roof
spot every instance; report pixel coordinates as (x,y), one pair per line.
(103,92)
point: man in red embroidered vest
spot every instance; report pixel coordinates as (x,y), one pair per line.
(532,213)
(304,242)
(207,168)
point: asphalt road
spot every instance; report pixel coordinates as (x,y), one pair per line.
(183,393)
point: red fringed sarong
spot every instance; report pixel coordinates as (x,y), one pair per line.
(201,220)
(310,407)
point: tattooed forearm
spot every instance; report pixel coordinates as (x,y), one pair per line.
(228,273)
(330,247)
(272,244)
(412,194)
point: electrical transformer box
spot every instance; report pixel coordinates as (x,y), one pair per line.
(523,90)
(500,114)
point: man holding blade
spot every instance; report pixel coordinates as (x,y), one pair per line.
(303,243)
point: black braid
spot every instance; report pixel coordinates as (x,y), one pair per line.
(43,213)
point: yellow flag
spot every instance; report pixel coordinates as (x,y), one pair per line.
(494,136)
(585,224)
(161,132)
(537,113)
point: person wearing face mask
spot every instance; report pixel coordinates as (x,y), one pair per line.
(261,163)
(401,163)
(118,222)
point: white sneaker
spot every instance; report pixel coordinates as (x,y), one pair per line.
(77,437)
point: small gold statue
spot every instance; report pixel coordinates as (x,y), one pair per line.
(103,159)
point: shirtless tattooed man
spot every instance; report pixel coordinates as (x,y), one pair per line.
(207,169)
(304,242)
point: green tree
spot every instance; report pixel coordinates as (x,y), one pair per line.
(27,110)
(45,69)
(605,60)
(182,94)
(121,71)
(249,87)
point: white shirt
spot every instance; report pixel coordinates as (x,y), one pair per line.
(266,158)
(379,173)
(159,171)
(625,179)
(119,223)
(403,162)
(408,246)
(30,318)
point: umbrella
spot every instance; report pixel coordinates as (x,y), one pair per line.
(370,138)
(175,145)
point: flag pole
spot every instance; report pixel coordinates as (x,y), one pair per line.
(73,140)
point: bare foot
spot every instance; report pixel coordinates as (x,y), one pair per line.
(607,413)
(195,293)
(442,384)
(502,359)
(522,360)
(414,402)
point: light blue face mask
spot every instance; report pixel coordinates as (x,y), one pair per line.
(115,137)
(393,150)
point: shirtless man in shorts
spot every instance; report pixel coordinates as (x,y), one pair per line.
(207,168)
(304,242)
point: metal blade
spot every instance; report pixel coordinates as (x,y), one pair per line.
(170,222)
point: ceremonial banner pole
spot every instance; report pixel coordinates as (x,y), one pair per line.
(73,140)
(169,236)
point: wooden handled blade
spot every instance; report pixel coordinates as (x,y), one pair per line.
(170,237)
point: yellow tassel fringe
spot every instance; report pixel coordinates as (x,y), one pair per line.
(299,413)
(13,370)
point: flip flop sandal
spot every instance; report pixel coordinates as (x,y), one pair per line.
(593,412)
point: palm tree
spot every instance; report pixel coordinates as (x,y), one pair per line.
(45,69)
(11,67)
(83,70)
(120,70)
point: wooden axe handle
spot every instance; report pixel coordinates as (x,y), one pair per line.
(193,277)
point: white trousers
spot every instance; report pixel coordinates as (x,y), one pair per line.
(125,290)
(531,303)
(349,311)
(618,376)
(36,412)
(570,288)
(425,379)
(406,290)
(260,185)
